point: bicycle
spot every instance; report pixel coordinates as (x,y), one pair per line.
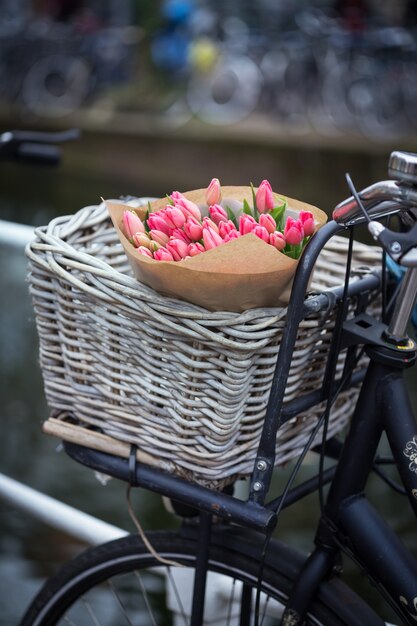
(263,581)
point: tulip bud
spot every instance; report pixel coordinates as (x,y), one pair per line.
(267,221)
(213,192)
(132,224)
(261,232)
(211,238)
(144,251)
(174,217)
(185,205)
(154,246)
(277,240)
(156,221)
(264,197)
(226,227)
(179,233)
(159,237)
(163,255)
(246,224)
(193,229)
(217,213)
(178,249)
(234,234)
(293,231)
(307,220)
(195,248)
(141,239)
(208,223)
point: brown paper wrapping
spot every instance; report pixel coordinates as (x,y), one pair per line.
(245,273)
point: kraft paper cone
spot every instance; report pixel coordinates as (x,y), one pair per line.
(245,273)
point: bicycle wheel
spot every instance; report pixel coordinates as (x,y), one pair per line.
(120,582)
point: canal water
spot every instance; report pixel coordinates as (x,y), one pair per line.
(106,165)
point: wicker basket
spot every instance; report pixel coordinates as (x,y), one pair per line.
(189,387)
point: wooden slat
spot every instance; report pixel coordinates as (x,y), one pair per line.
(98,441)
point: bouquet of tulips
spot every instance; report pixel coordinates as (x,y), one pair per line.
(179,231)
(224,248)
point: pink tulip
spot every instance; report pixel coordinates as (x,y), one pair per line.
(217,213)
(226,227)
(193,228)
(154,246)
(173,216)
(211,238)
(156,221)
(179,233)
(293,231)
(195,248)
(178,248)
(186,206)
(141,239)
(144,251)
(267,221)
(234,234)
(264,197)
(132,224)
(159,236)
(208,223)
(307,220)
(213,192)
(277,240)
(261,232)
(246,224)
(163,255)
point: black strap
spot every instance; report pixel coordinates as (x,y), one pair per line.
(133,466)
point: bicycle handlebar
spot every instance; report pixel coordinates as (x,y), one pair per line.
(34,146)
(380,199)
(386,198)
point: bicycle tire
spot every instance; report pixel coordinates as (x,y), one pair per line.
(230,554)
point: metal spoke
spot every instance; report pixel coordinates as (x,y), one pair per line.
(267,598)
(232,597)
(121,605)
(90,612)
(145,597)
(177,595)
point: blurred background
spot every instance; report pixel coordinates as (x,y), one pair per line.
(167,95)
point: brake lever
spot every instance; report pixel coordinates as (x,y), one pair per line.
(401,247)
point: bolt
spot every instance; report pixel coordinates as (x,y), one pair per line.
(261,466)
(257,486)
(395,247)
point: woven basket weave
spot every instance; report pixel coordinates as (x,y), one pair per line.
(187,386)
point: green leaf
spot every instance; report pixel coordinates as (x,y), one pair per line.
(145,221)
(231,215)
(294,251)
(170,200)
(246,208)
(278,213)
(255,208)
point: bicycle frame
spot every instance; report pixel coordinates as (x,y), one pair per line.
(349,521)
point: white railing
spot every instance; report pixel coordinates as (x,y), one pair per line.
(13,234)
(56,514)
(40,506)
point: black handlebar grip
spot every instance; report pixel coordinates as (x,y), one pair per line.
(42,154)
